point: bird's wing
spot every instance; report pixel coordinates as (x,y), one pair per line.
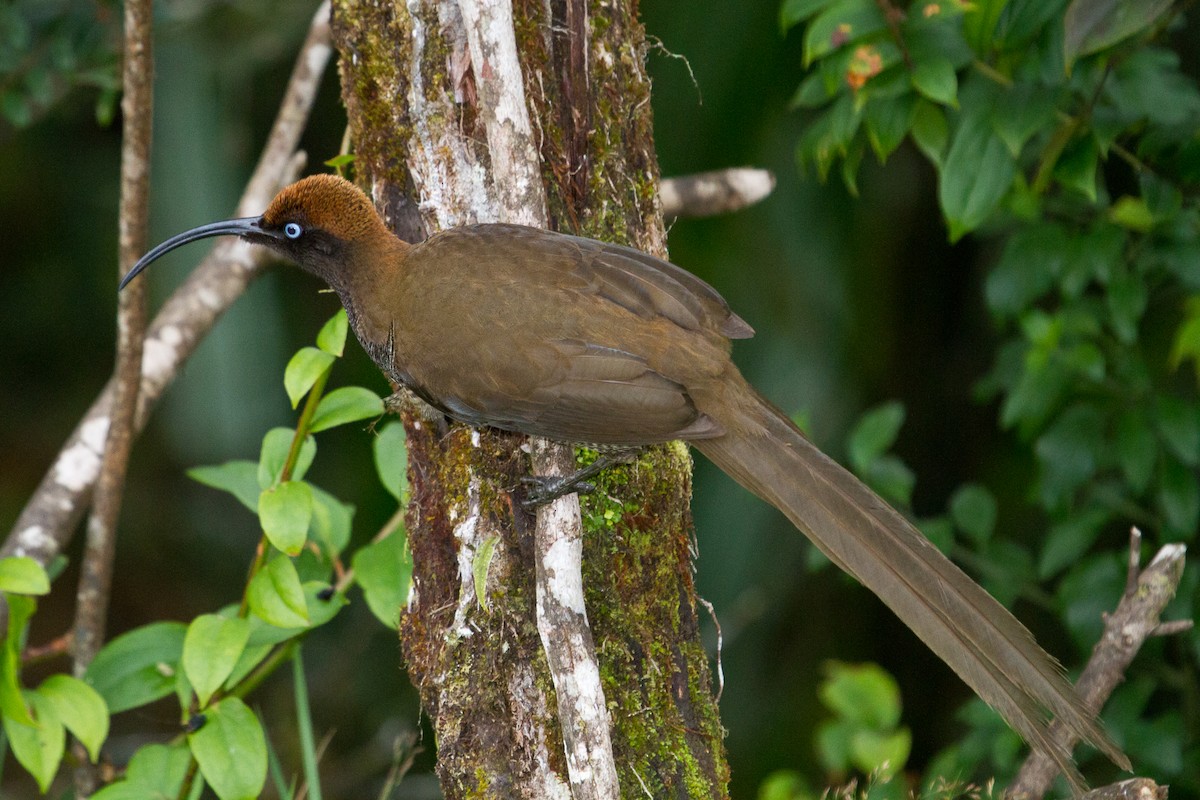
(653,288)
(643,285)
(586,393)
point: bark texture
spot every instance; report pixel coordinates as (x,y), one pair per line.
(418,119)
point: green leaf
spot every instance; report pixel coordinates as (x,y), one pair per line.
(936,80)
(1068,541)
(211,649)
(1136,449)
(1067,453)
(320,608)
(250,658)
(829,135)
(303,370)
(940,531)
(384,571)
(817,89)
(38,748)
(891,478)
(864,694)
(332,336)
(275,595)
(793,12)
(231,750)
(1092,25)
(1090,590)
(1126,299)
(1076,167)
(880,755)
(23,575)
(273,455)
(1178,424)
(284,511)
(331,520)
(979,24)
(888,121)
(784,784)
(874,434)
(1028,266)
(1024,20)
(842,23)
(1187,339)
(340,160)
(930,131)
(1132,213)
(976,175)
(12,701)
(347,404)
(973,509)
(479,568)
(138,667)
(155,772)
(80,708)
(391,460)
(1037,393)
(1020,112)
(833,744)
(239,478)
(1179,499)
(1010,569)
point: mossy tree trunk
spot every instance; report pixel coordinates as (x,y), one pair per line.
(470,635)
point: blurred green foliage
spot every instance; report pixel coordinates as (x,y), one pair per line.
(49,47)
(1069,133)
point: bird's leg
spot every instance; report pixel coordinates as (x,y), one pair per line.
(543,489)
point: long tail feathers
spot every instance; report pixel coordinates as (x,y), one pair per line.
(980,640)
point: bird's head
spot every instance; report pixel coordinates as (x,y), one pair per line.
(314,222)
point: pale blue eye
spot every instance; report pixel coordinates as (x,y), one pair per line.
(292,230)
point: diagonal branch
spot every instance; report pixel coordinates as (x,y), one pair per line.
(1135,619)
(52,513)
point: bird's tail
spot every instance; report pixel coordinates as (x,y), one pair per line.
(980,640)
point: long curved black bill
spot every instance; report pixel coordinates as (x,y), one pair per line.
(229,227)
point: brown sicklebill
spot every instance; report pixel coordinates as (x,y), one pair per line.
(580,341)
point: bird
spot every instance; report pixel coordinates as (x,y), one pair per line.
(582,341)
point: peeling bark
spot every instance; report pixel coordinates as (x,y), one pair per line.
(418,99)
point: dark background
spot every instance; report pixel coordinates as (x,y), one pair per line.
(855,300)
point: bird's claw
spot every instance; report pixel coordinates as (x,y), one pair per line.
(543,489)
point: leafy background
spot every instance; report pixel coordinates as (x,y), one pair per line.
(858,301)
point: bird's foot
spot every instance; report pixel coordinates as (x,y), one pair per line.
(543,489)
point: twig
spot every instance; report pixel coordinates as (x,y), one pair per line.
(137,114)
(709,194)
(1132,789)
(54,510)
(558,533)
(95,578)
(1135,619)
(720,643)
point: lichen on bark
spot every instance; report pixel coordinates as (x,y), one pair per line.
(477,663)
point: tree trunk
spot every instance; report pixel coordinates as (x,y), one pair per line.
(424,117)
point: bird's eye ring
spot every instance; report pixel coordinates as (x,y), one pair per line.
(292,230)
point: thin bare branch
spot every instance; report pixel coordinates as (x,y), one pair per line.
(95,578)
(1135,619)
(709,194)
(1132,789)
